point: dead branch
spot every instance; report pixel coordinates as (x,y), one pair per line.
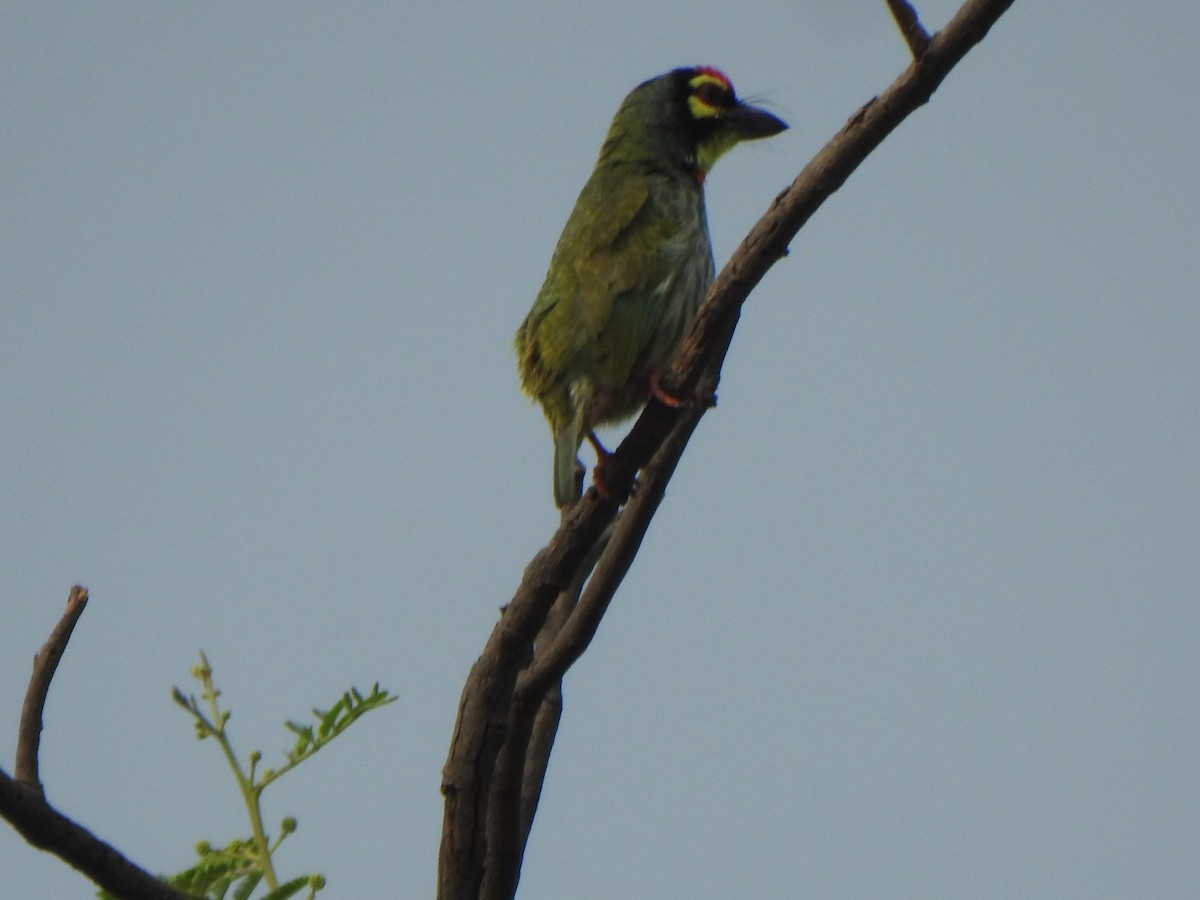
(48,829)
(910,26)
(45,663)
(23,802)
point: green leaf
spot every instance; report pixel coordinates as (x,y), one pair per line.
(246,888)
(329,719)
(290,889)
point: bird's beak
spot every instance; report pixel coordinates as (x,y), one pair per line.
(750,123)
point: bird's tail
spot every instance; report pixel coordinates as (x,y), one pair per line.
(566,448)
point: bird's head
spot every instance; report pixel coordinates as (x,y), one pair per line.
(689,117)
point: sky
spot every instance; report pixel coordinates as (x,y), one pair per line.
(918,617)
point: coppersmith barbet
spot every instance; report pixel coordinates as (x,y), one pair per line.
(634,260)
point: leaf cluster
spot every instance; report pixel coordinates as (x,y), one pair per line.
(236,870)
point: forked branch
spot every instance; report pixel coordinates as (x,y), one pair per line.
(910,26)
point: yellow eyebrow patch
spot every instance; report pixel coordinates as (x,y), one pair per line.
(701,108)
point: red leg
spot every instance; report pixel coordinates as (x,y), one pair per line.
(598,479)
(655,387)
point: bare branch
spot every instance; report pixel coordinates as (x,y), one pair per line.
(910,26)
(628,533)
(537,757)
(45,662)
(529,737)
(48,829)
(23,802)
(545,725)
(487,696)
(537,696)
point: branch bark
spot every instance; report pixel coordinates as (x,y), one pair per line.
(45,663)
(910,26)
(23,802)
(494,766)
(48,829)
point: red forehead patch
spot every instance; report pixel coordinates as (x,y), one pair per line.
(714,73)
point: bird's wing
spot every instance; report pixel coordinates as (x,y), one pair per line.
(556,342)
(623,280)
(611,240)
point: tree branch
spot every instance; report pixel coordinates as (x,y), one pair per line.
(45,663)
(910,26)
(487,696)
(504,695)
(545,725)
(48,829)
(23,802)
(630,528)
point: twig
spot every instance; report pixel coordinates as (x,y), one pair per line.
(910,26)
(45,662)
(23,802)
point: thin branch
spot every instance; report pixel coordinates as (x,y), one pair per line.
(45,662)
(23,802)
(630,529)
(910,26)
(48,829)
(537,758)
(545,726)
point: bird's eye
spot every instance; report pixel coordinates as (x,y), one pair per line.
(712,95)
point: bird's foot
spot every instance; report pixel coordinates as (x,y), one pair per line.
(659,392)
(600,483)
(599,479)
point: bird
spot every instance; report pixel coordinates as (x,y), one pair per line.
(633,262)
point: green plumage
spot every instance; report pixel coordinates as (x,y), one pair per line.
(634,260)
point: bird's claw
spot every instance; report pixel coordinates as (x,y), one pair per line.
(659,392)
(600,483)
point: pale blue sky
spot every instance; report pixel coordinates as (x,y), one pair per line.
(919,617)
